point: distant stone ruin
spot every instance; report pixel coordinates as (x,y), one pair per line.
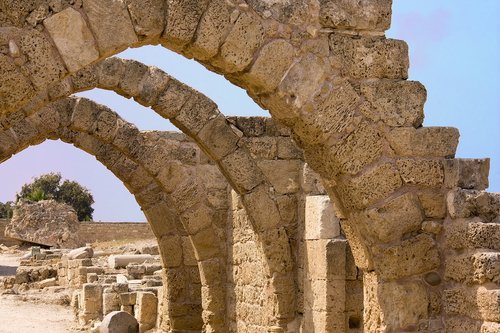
(46,222)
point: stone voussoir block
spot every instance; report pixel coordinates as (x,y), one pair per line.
(73,38)
(424,172)
(368,15)
(369,57)
(413,256)
(424,141)
(111,24)
(467,173)
(396,103)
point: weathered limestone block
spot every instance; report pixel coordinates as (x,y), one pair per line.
(282,174)
(424,172)
(44,64)
(358,15)
(91,303)
(240,45)
(467,173)
(182,20)
(413,256)
(122,260)
(391,221)
(196,218)
(130,83)
(218,137)
(73,39)
(333,116)
(433,203)
(469,203)
(110,301)
(476,303)
(172,99)
(14,87)
(300,84)
(111,24)
(244,175)
(359,149)
(119,322)
(396,103)
(81,253)
(264,209)
(274,59)
(424,142)
(148,17)
(152,85)
(320,219)
(479,267)
(472,233)
(364,190)
(393,305)
(207,244)
(146,309)
(369,57)
(211,30)
(195,114)
(170,245)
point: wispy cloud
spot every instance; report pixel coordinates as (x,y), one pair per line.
(422,32)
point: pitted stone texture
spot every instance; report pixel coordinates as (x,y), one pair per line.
(242,42)
(424,142)
(73,39)
(480,303)
(274,59)
(182,20)
(392,304)
(366,189)
(148,17)
(111,24)
(43,65)
(14,87)
(358,15)
(211,30)
(369,57)
(391,221)
(399,103)
(467,173)
(425,172)
(413,256)
(45,222)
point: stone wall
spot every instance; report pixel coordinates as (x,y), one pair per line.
(99,231)
(106,231)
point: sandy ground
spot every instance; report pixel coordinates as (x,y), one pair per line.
(18,316)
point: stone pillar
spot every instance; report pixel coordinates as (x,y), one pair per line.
(146,310)
(91,303)
(325,273)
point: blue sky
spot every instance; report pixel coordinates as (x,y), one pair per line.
(454,52)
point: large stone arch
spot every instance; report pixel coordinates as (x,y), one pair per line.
(198,116)
(325,70)
(71,121)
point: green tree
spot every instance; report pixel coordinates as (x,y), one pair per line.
(6,210)
(50,186)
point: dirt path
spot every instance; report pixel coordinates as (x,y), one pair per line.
(17,316)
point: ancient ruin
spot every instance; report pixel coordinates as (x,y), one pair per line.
(340,214)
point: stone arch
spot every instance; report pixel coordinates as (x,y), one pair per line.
(198,116)
(330,75)
(58,121)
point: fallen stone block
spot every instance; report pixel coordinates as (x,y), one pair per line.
(121,261)
(81,253)
(119,322)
